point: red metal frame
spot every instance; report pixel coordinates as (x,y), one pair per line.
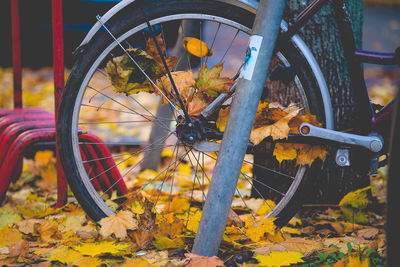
(22,127)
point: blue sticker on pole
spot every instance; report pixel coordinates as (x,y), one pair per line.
(251,57)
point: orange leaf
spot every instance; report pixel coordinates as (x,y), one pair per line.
(194,260)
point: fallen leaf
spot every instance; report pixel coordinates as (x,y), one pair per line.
(278,258)
(194,260)
(164,242)
(103,247)
(118,224)
(136,262)
(305,246)
(20,249)
(69,256)
(368,233)
(28,226)
(9,237)
(9,219)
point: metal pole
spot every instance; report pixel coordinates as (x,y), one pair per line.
(58,69)
(16,53)
(240,121)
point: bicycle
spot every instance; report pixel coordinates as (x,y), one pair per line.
(108,81)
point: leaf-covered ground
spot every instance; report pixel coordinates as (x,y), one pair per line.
(33,232)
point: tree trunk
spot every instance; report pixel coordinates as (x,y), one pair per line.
(321,35)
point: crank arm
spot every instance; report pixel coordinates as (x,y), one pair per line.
(216,104)
(372,142)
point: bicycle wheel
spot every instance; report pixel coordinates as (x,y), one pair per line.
(94,102)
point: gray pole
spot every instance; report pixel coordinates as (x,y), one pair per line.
(237,133)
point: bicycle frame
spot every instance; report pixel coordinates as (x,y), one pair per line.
(367,121)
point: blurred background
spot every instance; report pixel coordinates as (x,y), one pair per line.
(381,27)
(381,32)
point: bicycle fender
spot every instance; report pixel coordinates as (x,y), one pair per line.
(251,6)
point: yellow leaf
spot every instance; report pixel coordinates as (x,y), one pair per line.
(185,168)
(44,157)
(178,205)
(278,130)
(357,199)
(164,242)
(136,262)
(256,232)
(98,248)
(196,47)
(306,154)
(290,230)
(118,224)
(75,223)
(266,208)
(355,261)
(278,258)
(194,221)
(136,207)
(222,118)
(47,229)
(49,177)
(69,256)
(8,237)
(284,151)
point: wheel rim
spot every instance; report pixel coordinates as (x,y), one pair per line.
(193,159)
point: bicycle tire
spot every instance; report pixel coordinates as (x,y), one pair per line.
(163,11)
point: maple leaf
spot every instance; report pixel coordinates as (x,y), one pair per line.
(126,77)
(118,224)
(256,232)
(278,258)
(210,82)
(197,104)
(284,151)
(184,83)
(194,260)
(47,229)
(306,154)
(103,247)
(278,130)
(69,256)
(75,223)
(28,226)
